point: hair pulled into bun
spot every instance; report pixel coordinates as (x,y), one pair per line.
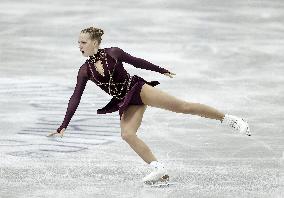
(95,33)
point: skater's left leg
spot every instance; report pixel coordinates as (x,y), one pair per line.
(155,97)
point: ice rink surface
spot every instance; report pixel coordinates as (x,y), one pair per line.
(227,54)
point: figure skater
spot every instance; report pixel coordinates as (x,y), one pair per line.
(131,95)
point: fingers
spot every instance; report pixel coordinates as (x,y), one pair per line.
(171,75)
(62,132)
(54,133)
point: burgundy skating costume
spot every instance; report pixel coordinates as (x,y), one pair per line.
(124,88)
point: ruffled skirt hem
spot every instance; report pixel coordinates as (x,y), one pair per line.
(132,97)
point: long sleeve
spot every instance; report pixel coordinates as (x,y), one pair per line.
(74,101)
(136,62)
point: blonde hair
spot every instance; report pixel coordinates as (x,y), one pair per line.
(95,33)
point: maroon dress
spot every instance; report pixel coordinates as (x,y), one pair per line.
(117,82)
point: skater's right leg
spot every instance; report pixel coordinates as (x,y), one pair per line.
(130,122)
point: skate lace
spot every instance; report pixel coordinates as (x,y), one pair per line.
(235,124)
(158,168)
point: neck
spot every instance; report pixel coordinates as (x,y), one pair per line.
(96,51)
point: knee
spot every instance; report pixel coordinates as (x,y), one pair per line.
(187,108)
(128,135)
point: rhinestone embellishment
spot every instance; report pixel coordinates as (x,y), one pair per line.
(111,85)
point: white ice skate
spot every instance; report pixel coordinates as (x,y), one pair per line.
(237,123)
(158,175)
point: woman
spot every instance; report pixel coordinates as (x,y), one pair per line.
(131,96)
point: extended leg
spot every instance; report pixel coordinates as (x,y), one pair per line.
(153,96)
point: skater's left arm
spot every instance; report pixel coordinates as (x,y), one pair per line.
(139,62)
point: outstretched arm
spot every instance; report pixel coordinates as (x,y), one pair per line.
(74,101)
(137,62)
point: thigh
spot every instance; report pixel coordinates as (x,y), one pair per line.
(155,97)
(131,118)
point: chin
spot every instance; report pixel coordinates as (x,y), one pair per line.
(85,55)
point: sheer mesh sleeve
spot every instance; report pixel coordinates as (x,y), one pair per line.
(136,62)
(74,101)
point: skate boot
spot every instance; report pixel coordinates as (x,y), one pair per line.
(237,123)
(159,174)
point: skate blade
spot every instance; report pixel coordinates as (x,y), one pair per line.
(161,182)
(248,133)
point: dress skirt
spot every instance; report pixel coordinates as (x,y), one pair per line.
(132,97)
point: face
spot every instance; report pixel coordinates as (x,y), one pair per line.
(88,47)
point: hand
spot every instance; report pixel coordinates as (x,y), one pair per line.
(170,74)
(54,133)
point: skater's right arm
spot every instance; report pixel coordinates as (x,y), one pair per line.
(74,101)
